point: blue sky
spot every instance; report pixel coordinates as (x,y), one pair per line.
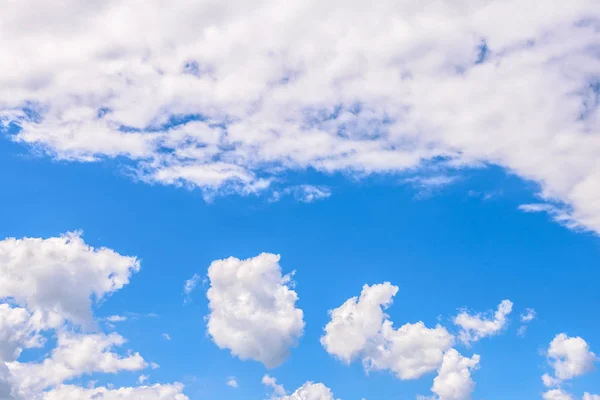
(448,250)
(299,200)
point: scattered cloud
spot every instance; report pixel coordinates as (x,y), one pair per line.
(252,309)
(116,318)
(303,193)
(427,185)
(359,328)
(232,382)
(270,382)
(526,318)
(477,326)
(189,286)
(485,195)
(166,336)
(142,378)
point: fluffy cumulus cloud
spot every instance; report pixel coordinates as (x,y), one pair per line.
(359,328)
(225,95)
(18,330)
(557,394)
(569,357)
(56,278)
(453,381)
(308,391)
(253,309)
(47,288)
(587,396)
(477,326)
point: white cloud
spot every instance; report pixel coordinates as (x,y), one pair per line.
(190,285)
(376,88)
(526,318)
(557,394)
(116,318)
(360,329)
(252,309)
(304,193)
(46,289)
(559,213)
(166,336)
(232,382)
(308,391)
(271,382)
(142,378)
(453,381)
(74,355)
(155,392)
(587,396)
(17,331)
(475,327)
(569,357)
(55,278)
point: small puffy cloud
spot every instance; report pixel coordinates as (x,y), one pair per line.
(142,378)
(308,391)
(453,381)
(55,278)
(253,309)
(166,336)
(232,382)
(270,382)
(587,396)
(477,326)
(557,394)
(569,357)
(155,392)
(360,329)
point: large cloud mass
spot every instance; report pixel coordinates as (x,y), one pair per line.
(222,94)
(253,309)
